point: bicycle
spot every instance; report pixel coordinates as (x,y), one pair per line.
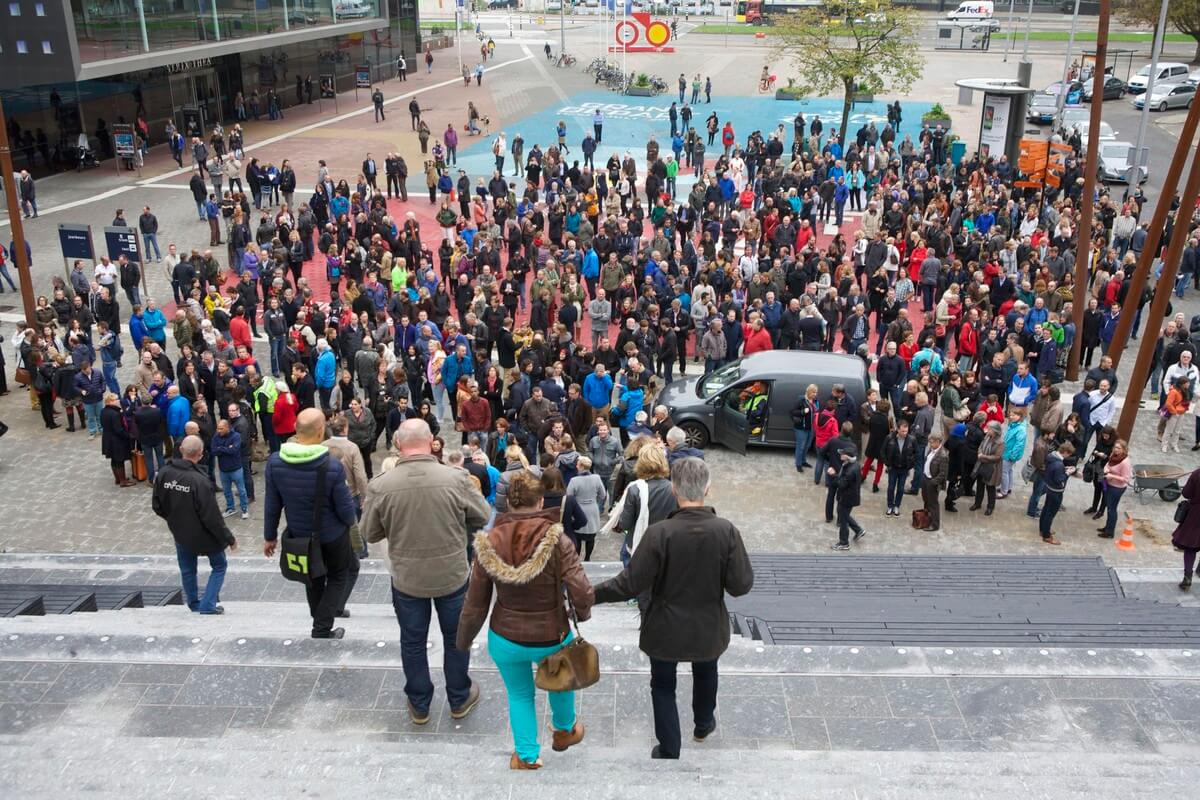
(565,60)
(657,84)
(767,84)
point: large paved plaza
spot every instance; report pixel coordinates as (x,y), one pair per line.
(156,702)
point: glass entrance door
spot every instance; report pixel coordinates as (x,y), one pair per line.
(197,101)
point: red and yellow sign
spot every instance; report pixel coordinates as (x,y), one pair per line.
(637,33)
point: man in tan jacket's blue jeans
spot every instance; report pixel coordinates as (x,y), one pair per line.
(427,512)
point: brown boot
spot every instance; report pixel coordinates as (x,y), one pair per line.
(516,763)
(565,739)
(124,482)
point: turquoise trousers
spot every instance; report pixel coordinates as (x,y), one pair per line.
(516,663)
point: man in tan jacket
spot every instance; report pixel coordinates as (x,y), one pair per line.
(428,513)
(348,453)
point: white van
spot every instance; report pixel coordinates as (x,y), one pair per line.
(1168,72)
(972,11)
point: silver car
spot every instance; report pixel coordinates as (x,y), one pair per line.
(1167,95)
(1114,159)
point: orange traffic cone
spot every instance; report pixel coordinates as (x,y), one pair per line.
(1126,540)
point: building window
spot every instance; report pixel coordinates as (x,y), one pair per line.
(39,9)
(47,50)
(14,9)
(21,48)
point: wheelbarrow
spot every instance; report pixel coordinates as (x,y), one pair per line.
(1160,478)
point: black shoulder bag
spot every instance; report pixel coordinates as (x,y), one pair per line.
(300,557)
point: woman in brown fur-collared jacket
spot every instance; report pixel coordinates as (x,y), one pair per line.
(526,558)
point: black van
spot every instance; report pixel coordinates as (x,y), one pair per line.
(727,406)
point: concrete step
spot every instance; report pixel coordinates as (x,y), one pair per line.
(285,765)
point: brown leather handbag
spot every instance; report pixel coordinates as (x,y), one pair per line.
(576,665)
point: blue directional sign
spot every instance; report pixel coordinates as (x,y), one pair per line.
(76,241)
(122,242)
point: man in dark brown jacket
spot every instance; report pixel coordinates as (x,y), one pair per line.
(685,565)
(935,470)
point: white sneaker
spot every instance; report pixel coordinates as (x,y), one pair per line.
(245,515)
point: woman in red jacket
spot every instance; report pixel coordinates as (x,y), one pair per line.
(283,420)
(825,428)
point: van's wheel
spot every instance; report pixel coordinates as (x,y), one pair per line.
(697,434)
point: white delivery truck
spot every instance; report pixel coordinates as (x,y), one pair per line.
(973,11)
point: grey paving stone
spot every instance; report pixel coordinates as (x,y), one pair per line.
(126,694)
(22,692)
(880,734)
(857,686)
(160,694)
(85,683)
(734,685)
(14,670)
(1180,698)
(349,688)
(1108,723)
(368,720)
(1155,718)
(157,673)
(838,706)
(752,717)
(230,686)
(980,697)
(249,718)
(1099,688)
(920,697)
(22,718)
(950,728)
(199,722)
(47,671)
(809,733)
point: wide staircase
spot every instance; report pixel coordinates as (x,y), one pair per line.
(999,601)
(945,700)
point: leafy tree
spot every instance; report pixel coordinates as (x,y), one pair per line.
(852,45)
(1183,15)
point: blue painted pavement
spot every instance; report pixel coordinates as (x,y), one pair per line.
(629,122)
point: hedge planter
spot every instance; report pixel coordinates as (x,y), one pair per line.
(785,94)
(933,122)
(640,91)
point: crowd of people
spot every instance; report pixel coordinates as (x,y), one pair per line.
(510,362)
(559,307)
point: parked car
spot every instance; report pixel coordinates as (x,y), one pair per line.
(1168,72)
(1107,134)
(712,408)
(1167,95)
(499,4)
(353,9)
(1114,163)
(1042,108)
(1073,89)
(1114,89)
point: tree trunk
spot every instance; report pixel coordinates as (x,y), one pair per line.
(847,103)
(1196,55)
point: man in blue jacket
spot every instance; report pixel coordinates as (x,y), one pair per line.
(597,390)
(178,411)
(292,477)
(325,372)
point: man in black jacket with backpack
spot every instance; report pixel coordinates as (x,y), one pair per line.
(184,496)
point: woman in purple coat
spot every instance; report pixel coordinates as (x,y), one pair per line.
(1187,533)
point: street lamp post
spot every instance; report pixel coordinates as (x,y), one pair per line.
(1156,51)
(14,218)
(1062,83)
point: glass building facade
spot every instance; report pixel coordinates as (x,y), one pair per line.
(45,120)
